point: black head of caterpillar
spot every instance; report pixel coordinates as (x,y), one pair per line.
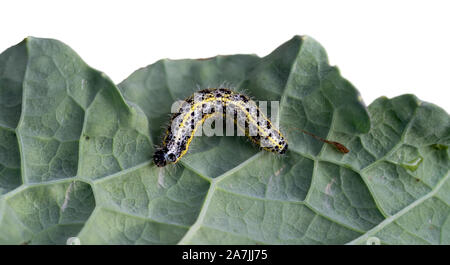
(162,157)
(206,103)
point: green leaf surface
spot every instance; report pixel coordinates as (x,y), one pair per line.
(75,156)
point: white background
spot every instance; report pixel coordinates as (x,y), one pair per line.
(383,47)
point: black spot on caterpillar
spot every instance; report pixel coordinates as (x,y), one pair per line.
(207,103)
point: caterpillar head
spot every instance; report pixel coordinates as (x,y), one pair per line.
(162,157)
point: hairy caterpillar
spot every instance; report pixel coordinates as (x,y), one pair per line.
(207,103)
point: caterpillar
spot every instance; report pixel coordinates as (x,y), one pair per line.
(206,103)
